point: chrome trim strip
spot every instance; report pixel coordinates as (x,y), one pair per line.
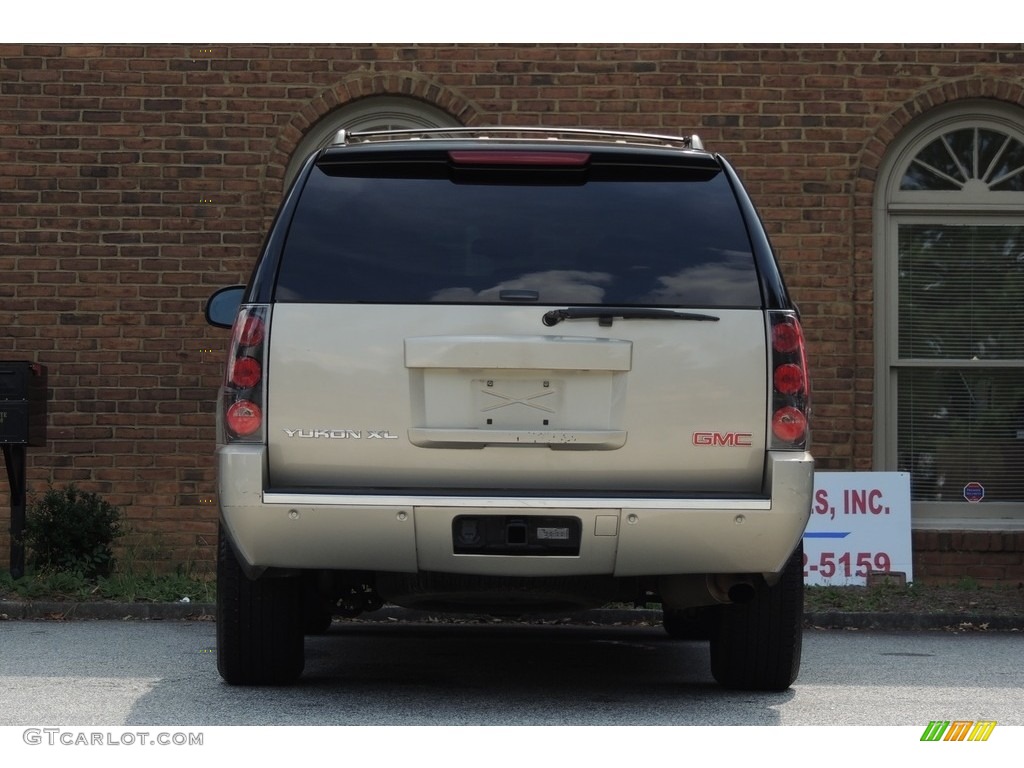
(514,502)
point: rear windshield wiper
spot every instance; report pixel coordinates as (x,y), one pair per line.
(605,315)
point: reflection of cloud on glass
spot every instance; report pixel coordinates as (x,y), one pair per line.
(727,282)
(551,286)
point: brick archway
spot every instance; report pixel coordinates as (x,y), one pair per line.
(346,92)
(872,156)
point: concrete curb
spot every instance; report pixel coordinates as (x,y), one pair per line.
(57,611)
(106,611)
(958,622)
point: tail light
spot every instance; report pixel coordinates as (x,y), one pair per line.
(245,377)
(791,392)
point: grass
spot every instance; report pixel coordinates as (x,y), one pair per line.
(964,596)
(138,584)
(123,587)
(71,539)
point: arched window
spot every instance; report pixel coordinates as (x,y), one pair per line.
(950,307)
(374,113)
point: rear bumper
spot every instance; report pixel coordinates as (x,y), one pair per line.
(622,536)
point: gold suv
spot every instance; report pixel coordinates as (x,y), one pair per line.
(504,370)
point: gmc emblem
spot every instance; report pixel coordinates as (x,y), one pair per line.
(727,439)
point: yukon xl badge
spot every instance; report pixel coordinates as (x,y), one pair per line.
(343,434)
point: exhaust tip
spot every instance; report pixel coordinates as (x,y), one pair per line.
(742,592)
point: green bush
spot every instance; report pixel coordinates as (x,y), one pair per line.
(72,531)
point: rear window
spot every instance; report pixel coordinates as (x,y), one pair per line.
(613,240)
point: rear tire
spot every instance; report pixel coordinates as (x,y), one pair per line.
(259,624)
(756,645)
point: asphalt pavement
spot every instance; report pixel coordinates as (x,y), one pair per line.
(163,673)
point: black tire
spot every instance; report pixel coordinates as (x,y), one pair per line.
(689,624)
(317,615)
(259,625)
(756,645)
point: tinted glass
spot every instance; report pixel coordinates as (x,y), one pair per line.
(612,242)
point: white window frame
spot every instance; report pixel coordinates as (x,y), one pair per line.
(892,207)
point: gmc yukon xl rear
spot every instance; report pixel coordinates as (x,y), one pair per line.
(513,370)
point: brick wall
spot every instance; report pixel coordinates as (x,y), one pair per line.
(134,179)
(987,557)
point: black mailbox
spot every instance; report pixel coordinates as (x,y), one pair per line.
(22,403)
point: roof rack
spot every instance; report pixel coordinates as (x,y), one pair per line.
(344,137)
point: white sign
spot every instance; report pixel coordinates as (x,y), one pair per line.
(860,522)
